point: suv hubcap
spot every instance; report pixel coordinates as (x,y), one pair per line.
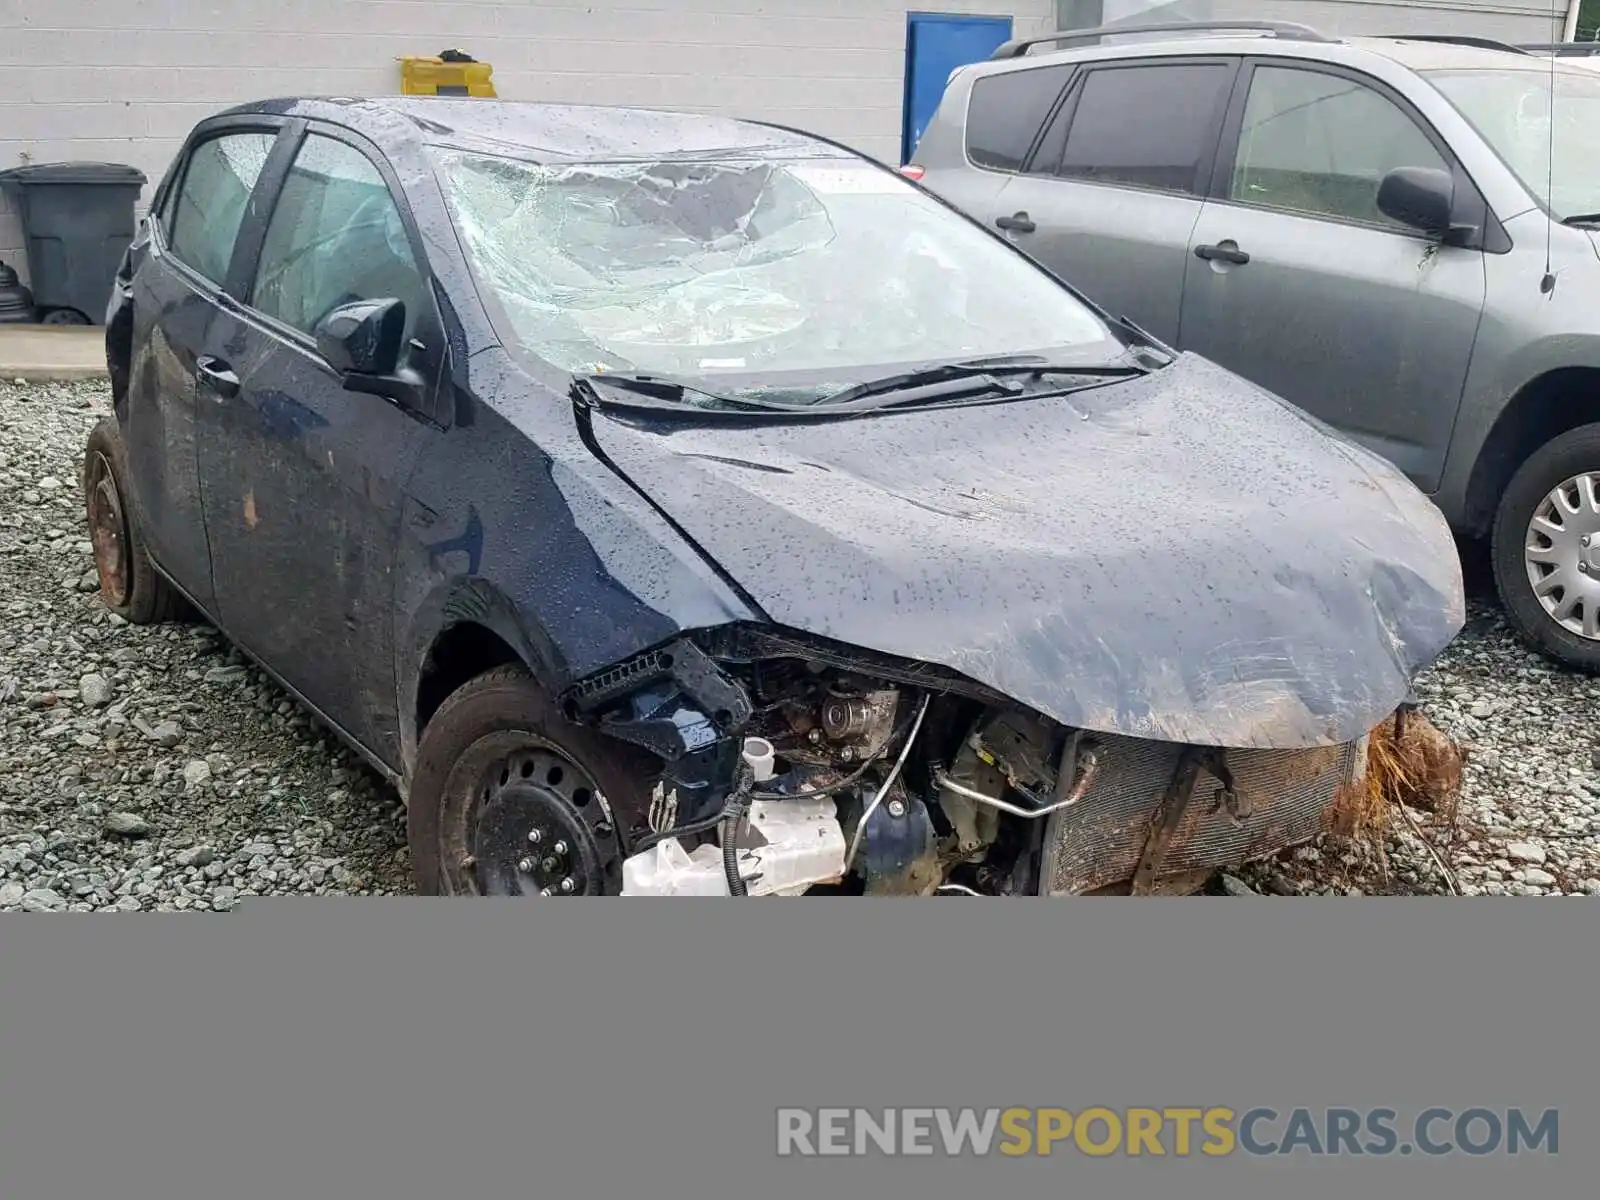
(1562,554)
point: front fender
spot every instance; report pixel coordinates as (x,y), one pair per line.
(513,524)
(1500,373)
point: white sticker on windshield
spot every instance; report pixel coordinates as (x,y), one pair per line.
(860,180)
(721,364)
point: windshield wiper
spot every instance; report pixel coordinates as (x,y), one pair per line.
(970,378)
(677,394)
(1582,219)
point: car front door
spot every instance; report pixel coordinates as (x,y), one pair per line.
(1299,283)
(177,293)
(1111,194)
(303,479)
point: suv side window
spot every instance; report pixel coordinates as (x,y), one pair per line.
(210,203)
(335,237)
(1005,111)
(1320,144)
(1150,126)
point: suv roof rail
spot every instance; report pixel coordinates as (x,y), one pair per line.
(1452,39)
(1288,30)
(1562,49)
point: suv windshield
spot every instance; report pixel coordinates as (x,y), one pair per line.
(1512,110)
(781,278)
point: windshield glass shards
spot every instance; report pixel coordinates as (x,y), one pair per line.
(787,280)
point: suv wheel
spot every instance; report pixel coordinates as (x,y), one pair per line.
(509,798)
(130,586)
(1546,549)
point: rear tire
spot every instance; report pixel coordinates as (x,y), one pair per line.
(1559,486)
(509,798)
(130,586)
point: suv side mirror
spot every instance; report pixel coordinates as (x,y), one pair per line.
(361,341)
(1421,197)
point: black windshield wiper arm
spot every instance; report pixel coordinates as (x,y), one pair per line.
(1582,219)
(673,393)
(973,377)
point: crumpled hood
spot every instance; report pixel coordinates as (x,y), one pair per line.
(1180,557)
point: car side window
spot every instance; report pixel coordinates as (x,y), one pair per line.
(1151,126)
(1005,111)
(1320,144)
(210,203)
(335,237)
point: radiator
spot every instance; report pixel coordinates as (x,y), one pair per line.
(1096,844)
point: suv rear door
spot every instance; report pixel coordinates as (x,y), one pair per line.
(1110,193)
(1297,281)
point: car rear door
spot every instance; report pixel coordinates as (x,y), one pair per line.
(302,479)
(176,293)
(1109,196)
(1297,281)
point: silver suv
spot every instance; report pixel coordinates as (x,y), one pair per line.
(1400,235)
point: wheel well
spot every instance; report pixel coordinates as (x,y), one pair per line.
(1546,408)
(458,655)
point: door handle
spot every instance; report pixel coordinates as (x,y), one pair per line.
(1021,223)
(218,376)
(1227,252)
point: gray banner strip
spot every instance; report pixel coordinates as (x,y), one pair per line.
(423,1048)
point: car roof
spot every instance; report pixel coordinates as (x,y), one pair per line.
(569,132)
(1416,53)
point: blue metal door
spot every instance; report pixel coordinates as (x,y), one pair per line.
(936,44)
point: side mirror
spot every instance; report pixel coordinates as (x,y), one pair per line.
(363,339)
(1421,197)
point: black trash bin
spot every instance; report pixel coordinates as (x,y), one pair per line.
(77,221)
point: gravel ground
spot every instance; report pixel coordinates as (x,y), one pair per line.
(149,768)
(146,768)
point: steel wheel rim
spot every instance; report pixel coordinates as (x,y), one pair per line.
(1561,554)
(108,531)
(526,819)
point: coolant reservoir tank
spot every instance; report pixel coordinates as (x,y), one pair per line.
(790,845)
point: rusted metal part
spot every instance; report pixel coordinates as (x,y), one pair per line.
(1099,843)
(108,532)
(1227,798)
(1182,883)
(1180,790)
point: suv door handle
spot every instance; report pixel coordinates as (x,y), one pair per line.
(1227,252)
(1021,223)
(218,376)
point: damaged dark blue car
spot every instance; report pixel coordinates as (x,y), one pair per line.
(676,505)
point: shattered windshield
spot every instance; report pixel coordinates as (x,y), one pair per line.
(793,277)
(1513,111)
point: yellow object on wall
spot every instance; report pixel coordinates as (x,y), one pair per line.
(450,73)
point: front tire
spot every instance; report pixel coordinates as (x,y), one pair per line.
(1546,549)
(130,586)
(509,798)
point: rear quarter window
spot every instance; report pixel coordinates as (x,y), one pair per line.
(1149,126)
(1005,111)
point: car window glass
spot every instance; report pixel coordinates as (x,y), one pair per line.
(1147,127)
(335,237)
(211,203)
(1005,113)
(1321,144)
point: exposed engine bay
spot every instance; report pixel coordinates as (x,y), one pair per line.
(790,769)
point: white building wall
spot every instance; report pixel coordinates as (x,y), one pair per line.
(124,80)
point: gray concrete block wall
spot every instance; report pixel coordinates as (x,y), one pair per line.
(124,80)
